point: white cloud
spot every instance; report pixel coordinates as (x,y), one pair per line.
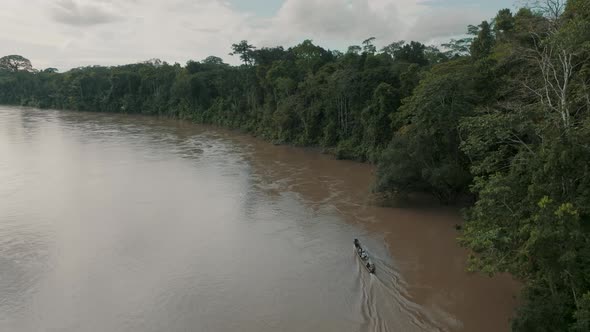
(83,14)
(336,19)
(443,22)
(71,33)
(339,23)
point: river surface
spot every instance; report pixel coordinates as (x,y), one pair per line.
(129,223)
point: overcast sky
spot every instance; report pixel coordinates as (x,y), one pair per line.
(71,33)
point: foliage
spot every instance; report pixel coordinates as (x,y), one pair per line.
(304,95)
(530,158)
(15,63)
(424,154)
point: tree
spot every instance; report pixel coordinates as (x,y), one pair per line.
(376,120)
(503,23)
(213,60)
(458,47)
(424,154)
(194,66)
(578,9)
(551,9)
(393,47)
(368,46)
(412,53)
(310,57)
(483,43)
(15,63)
(434,55)
(265,56)
(244,50)
(354,49)
(155,62)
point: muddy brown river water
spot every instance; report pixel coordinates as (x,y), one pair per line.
(130,223)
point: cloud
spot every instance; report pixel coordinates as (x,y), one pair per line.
(72,33)
(334,24)
(83,14)
(339,23)
(440,23)
(334,18)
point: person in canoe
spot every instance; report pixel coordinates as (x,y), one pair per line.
(364,256)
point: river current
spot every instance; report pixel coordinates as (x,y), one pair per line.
(131,223)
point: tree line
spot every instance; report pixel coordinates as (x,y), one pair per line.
(502,115)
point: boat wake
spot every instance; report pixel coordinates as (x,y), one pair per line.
(385,304)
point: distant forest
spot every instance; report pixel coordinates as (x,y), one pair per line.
(501,116)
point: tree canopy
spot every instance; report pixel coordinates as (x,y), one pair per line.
(15,63)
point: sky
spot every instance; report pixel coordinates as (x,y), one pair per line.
(71,33)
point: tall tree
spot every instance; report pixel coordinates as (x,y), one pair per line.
(412,53)
(245,51)
(393,47)
(503,23)
(15,63)
(483,43)
(368,46)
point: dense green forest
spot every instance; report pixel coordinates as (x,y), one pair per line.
(502,115)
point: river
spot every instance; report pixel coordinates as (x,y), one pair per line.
(131,223)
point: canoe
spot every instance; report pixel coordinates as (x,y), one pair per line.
(364,257)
